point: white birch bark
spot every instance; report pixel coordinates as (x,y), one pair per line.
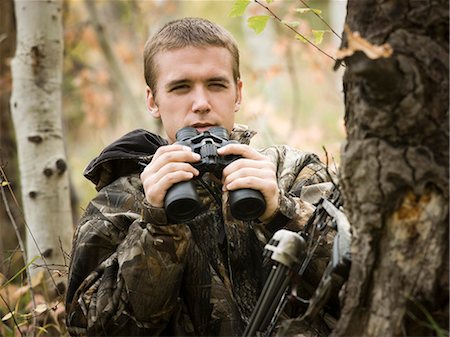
(36,107)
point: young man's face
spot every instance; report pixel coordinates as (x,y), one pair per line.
(194,87)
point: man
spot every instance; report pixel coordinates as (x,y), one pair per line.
(133,272)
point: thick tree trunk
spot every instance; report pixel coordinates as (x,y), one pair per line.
(395,170)
(36,106)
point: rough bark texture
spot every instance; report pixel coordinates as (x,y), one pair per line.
(36,107)
(395,170)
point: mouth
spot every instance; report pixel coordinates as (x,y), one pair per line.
(202,127)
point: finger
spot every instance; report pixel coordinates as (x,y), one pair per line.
(168,180)
(178,154)
(167,169)
(169,148)
(268,188)
(155,192)
(172,153)
(243,163)
(255,183)
(240,150)
(229,181)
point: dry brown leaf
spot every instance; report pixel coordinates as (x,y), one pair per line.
(41,308)
(358,43)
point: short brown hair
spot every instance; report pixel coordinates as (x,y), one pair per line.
(196,32)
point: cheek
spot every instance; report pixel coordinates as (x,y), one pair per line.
(228,115)
(171,126)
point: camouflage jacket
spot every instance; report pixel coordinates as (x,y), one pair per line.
(134,274)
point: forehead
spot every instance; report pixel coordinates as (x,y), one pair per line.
(193,62)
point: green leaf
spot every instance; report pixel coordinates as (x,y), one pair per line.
(270,1)
(239,8)
(258,22)
(292,24)
(301,38)
(318,35)
(308,10)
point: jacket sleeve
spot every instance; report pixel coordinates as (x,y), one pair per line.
(302,180)
(118,264)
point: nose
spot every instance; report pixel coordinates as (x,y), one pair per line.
(200,102)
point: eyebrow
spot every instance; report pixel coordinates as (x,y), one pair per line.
(218,79)
(174,83)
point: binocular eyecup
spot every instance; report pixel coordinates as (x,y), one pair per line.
(182,203)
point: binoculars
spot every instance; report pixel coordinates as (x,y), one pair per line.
(182,202)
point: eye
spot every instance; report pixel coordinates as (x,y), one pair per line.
(218,85)
(179,88)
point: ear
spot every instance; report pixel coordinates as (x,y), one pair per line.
(237,104)
(151,104)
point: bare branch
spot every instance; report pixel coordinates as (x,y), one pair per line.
(322,19)
(19,237)
(296,32)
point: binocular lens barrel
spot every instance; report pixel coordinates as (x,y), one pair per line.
(247,204)
(182,203)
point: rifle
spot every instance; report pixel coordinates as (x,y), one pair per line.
(290,254)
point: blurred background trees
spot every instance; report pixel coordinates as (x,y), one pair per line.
(8,154)
(291,95)
(394,165)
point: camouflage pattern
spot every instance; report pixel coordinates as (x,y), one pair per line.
(134,274)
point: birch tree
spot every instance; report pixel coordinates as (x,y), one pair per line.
(36,109)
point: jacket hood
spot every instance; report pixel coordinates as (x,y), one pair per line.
(123,157)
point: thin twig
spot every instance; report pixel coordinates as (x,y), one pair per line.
(298,33)
(327,166)
(21,244)
(321,18)
(3,177)
(294,30)
(12,315)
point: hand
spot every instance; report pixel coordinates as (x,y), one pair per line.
(253,170)
(170,165)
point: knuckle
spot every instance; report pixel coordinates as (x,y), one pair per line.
(170,167)
(170,156)
(162,149)
(170,179)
